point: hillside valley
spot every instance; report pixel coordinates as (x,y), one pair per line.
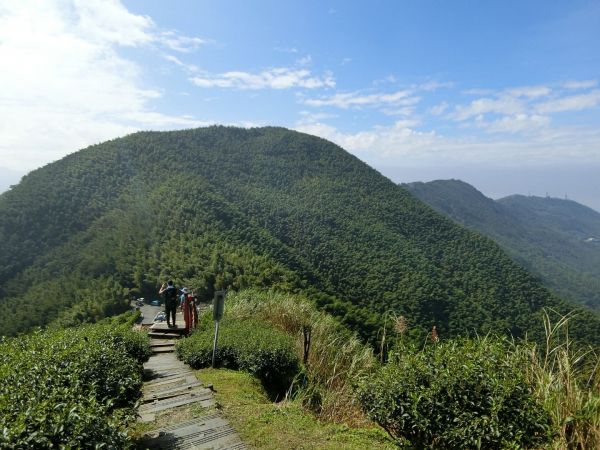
(556,239)
(229,208)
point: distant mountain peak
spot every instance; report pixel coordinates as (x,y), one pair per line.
(550,236)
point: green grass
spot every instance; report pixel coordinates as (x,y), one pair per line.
(263,424)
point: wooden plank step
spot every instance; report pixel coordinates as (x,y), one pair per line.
(162,342)
(209,432)
(203,397)
(164,327)
(163,350)
(161,335)
(196,387)
(173,386)
(180,378)
(165,363)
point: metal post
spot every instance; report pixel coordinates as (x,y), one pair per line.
(215,343)
(218,309)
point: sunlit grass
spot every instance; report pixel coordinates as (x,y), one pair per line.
(567,380)
(263,424)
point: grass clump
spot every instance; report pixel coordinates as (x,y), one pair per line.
(567,381)
(457,394)
(72,388)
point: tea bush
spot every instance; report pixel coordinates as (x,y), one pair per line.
(333,357)
(456,395)
(247,345)
(72,388)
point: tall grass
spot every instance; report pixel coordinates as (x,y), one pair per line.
(567,380)
(333,357)
(565,377)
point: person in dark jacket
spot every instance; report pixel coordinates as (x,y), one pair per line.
(170,293)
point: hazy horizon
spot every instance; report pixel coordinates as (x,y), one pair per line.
(573,183)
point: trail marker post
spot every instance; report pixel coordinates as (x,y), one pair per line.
(218,308)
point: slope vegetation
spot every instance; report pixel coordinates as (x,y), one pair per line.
(558,240)
(223,207)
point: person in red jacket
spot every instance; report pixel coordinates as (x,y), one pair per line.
(190,312)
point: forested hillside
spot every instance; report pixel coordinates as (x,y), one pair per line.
(558,240)
(223,207)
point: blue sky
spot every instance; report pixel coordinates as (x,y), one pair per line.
(504,95)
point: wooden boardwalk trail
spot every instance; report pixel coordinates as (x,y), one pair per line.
(169,385)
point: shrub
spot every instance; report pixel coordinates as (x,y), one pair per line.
(134,344)
(73,388)
(332,355)
(457,394)
(248,345)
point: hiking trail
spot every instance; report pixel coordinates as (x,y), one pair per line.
(169,385)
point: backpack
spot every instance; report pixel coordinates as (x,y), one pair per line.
(171,293)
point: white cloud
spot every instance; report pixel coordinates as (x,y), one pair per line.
(571,103)
(355,99)
(505,105)
(403,111)
(179,43)
(523,109)
(175,60)
(516,125)
(439,108)
(510,102)
(435,85)
(311,117)
(519,123)
(529,91)
(304,61)
(401,100)
(478,91)
(64,85)
(396,140)
(509,126)
(390,79)
(584,84)
(400,144)
(277,78)
(110,22)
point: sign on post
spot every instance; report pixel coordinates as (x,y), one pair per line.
(219,305)
(218,309)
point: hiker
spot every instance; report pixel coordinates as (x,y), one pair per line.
(190,315)
(182,297)
(170,293)
(435,337)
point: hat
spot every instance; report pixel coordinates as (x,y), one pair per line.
(184,290)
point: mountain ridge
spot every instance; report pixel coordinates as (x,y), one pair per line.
(553,238)
(222,207)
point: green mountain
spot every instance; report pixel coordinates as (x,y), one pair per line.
(223,207)
(558,240)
